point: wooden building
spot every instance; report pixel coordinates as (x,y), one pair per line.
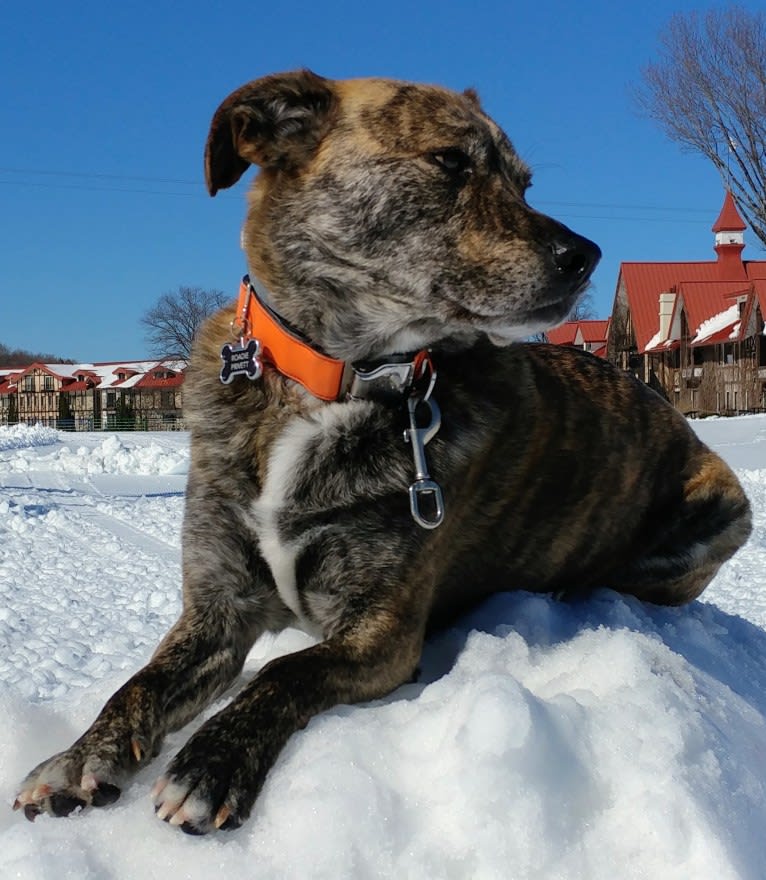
(124,395)
(694,331)
(589,335)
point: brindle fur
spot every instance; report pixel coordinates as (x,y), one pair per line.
(374,235)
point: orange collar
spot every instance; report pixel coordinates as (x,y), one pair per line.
(325,377)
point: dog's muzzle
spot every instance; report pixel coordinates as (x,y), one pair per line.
(575,258)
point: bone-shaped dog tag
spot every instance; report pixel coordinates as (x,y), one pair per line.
(241,360)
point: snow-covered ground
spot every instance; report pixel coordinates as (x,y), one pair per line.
(602,739)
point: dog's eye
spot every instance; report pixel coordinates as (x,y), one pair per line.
(452,160)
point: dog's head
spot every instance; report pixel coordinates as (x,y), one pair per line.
(388,215)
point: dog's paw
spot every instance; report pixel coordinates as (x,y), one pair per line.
(212,782)
(87,774)
(67,781)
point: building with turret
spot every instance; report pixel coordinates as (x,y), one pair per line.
(694,331)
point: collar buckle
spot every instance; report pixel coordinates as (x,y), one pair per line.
(387,381)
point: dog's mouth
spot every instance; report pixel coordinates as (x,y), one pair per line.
(503,328)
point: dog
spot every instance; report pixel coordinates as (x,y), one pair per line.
(394,262)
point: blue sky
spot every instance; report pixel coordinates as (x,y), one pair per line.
(105,109)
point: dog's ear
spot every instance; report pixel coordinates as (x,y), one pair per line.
(275,122)
(473,96)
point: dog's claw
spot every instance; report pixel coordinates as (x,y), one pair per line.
(221,816)
(31,811)
(64,804)
(105,794)
(135,747)
(188,828)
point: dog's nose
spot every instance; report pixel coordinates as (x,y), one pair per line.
(575,257)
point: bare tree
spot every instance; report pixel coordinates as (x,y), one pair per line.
(584,309)
(172,323)
(707,91)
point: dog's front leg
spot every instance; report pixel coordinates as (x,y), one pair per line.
(215,778)
(198,658)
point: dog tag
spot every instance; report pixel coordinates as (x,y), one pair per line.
(241,360)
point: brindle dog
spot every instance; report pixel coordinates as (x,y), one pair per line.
(389,218)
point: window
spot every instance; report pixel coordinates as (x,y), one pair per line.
(29,383)
(47,383)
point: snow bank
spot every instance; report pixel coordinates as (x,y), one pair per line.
(597,739)
(24,436)
(84,454)
(114,455)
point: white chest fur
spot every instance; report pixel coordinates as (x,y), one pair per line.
(285,464)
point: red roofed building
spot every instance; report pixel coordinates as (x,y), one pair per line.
(124,395)
(9,396)
(694,330)
(589,335)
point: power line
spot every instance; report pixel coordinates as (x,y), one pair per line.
(88,175)
(153,192)
(619,207)
(608,206)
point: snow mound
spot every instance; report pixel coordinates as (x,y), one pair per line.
(114,454)
(588,740)
(24,436)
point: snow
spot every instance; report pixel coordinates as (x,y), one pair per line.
(599,739)
(654,341)
(721,321)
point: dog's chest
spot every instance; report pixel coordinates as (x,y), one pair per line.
(330,458)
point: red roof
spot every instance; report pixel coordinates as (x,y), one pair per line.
(78,386)
(564,334)
(137,374)
(727,334)
(706,287)
(704,294)
(759,286)
(704,300)
(586,333)
(593,330)
(160,376)
(729,218)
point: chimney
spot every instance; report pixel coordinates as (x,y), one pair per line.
(667,301)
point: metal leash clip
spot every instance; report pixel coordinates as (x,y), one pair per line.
(424,492)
